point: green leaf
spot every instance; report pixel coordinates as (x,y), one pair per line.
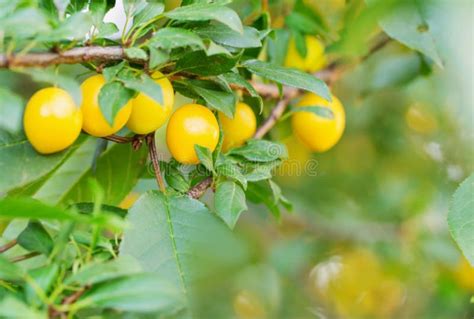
(10,271)
(103,271)
(144,84)
(232,171)
(236,78)
(44,278)
(203,12)
(112,97)
(315,109)
(226,36)
(51,76)
(205,157)
(178,238)
(66,176)
(111,72)
(11,208)
(138,293)
(289,77)
(461,218)
(261,193)
(118,170)
(136,54)
(229,202)
(150,12)
(411,24)
(260,151)
(171,38)
(157,57)
(218,100)
(74,27)
(24,23)
(13,308)
(11,111)
(106,29)
(16,149)
(35,238)
(199,62)
(261,171)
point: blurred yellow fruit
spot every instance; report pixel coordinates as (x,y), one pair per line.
(147,114)
(191,125)
(298,157)
(319,133)
(238,129)
(420,120)
(248,306)
(355,286)
(465,275)
(314,60)
(52,121)
(129,200)
(94,122)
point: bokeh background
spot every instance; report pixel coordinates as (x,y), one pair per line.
(367,236)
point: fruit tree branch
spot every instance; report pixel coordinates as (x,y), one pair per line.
(72,56)
(8,245)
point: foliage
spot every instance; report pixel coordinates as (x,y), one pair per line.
(203,245)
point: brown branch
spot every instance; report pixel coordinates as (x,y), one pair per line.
(24,257)
(154,159)
(272,119)
(72,56)
(200,188)
(8,245)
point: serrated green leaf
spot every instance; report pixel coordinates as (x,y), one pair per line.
(260,151)
(205,157)
(157,57)
(322,111)
(236,78)
(136,54)
(171,38)
(204,12)
(112,97)
(167,238)
(289,77)
(51,76)
(15,308)
(226,36)
(74,27)
(229,202)
(461,218)
(218,100)
(198,62)
(148,13)
(144,84)
(232,171)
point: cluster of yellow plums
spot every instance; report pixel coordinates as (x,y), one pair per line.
(52,121)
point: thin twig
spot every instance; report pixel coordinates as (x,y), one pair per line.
(200,188)
(118,139)
(154,159)
(8,245)
(272,119)
(24,257)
